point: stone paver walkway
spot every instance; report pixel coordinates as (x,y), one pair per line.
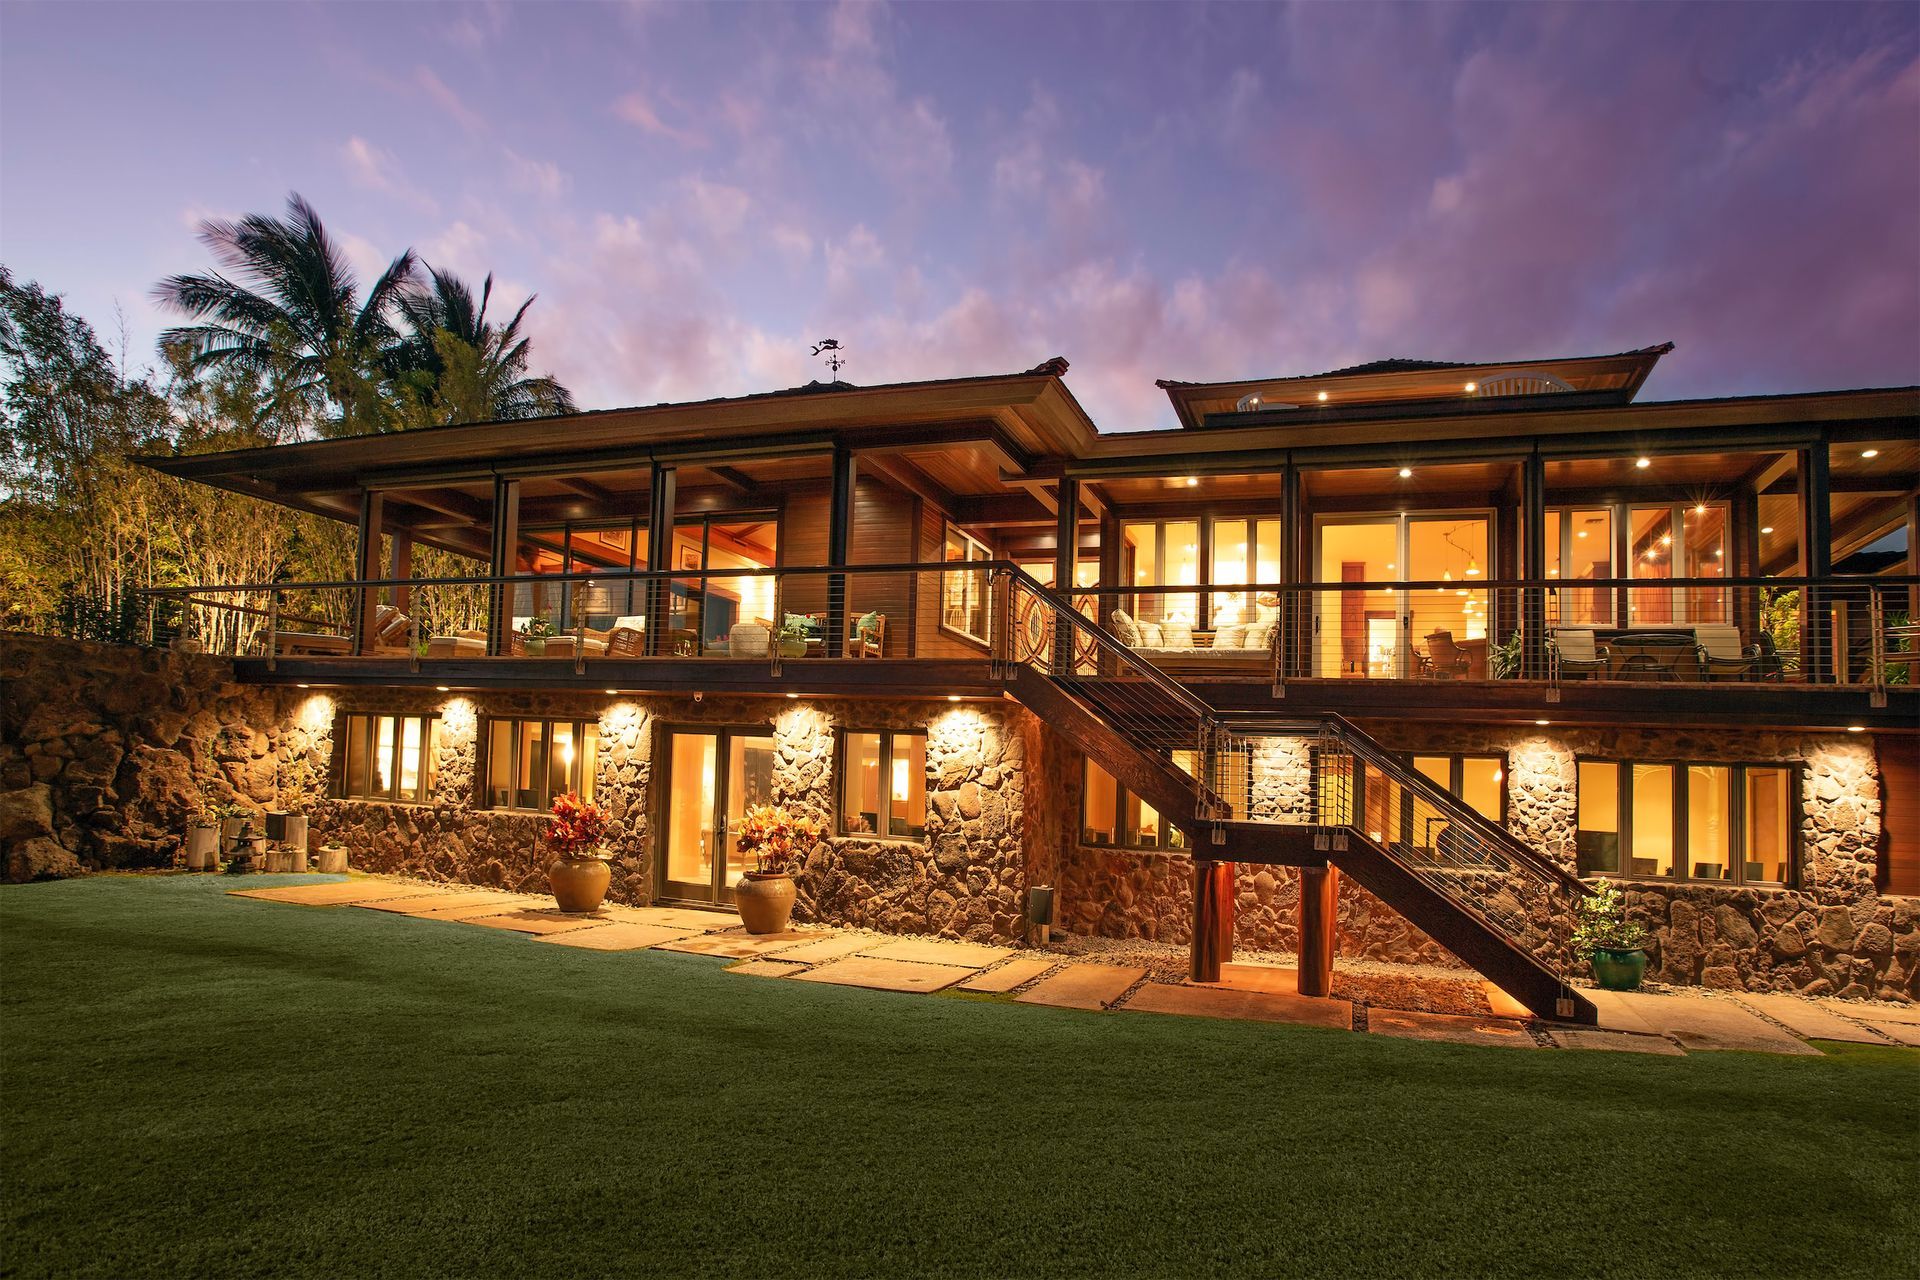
(1650,1022)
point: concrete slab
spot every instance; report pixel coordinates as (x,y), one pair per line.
(1615,1041)
(1617,1012)
(1261,977)
(884,975)
(1083,986)
(537,920)
(617,935)
(1706,1023)
(417,903)
(498,904)
(1904,1032)
(1229,1002)
(1451,1027)
(684,918)
(340,893)
(832,947)
(738,945)
(1806,1018)
(1013,973)
(768,968)
(971,955)
(1504,1005)
(1909,1013)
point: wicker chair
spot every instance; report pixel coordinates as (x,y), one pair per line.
(1446,660)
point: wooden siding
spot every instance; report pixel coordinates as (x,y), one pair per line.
(1899,812)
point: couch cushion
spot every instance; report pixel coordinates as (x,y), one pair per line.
(1177,635)
(1124,629)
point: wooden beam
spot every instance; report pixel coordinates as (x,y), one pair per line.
(501,561)
(904,475)
(1319,911)
(986,511)
(587,489)
(366,567)
(739,479)
(1212,919)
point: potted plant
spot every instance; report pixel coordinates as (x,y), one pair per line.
(792,636)
(534,634)
(203,841)
(236,820)
(579,874)
(1503,659)
(775,836)
(1616,945)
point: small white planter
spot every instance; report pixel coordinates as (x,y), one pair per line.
(299,858)
(296,833)
(203,848)
(230,828)
(280,861)
(333,860)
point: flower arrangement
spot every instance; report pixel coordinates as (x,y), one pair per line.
(1603,922)
(538,627)
(775,836)
(578,829)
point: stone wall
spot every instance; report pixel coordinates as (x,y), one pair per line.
(1832,933)
(106,752)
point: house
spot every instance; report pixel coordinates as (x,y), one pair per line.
(1377,662)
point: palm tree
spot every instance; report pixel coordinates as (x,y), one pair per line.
(290,314)
(466,368)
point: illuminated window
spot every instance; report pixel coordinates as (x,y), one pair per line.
(385,758)
(1665,820)
(529,762)
(963,593)
(1479,780)
(883,784)
(1112,816)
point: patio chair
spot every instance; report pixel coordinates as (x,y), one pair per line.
(750,640)
(626,642)
(1446,659)
(1721,653)
(1576,654)
(868,637)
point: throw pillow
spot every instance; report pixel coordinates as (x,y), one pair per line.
(1150,637)
(1231,636)
(868,624)
(1176,635)
(1259,637)
(1124,629)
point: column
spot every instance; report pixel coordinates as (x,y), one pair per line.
(839,542)
(660,516)
(366,568)
(1212,919)
(1319,901)
(1066,558)
(502,563)
(1816,553)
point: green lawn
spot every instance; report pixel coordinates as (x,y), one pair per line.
(203,1086)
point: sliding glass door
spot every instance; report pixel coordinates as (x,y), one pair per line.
(1384,628)
(712,777)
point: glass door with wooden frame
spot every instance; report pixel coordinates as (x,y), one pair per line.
(713,777)
(1389,631)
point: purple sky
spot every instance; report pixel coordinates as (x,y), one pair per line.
(696,192)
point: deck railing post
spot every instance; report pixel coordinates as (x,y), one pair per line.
(1877,620)
(273,630)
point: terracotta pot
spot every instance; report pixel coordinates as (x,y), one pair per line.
(579,884)
(765,900)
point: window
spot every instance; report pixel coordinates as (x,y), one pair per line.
(1580,549)
(1112,816)
(1479,780)
(963,594)
(1661,820)
(386,758)
(883,784)
(1676,541)
(529,762)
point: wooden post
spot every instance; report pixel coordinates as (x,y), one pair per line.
(660,508)
(1066,558)
(1533,558)
(839,541)
(400,568)
(1293,606)
(1816,553)
(1319,897)
(502,563)
(1212,919)
(366,568)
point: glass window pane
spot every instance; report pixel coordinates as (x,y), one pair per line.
(383,735)
(1141,549)
(690,809)
(531,764)
(908,798)
(1652,820)
(589,769)
(749,782)
(1438,768)
(1385,802)
(1481,786)
(1333,786)
(1650,550)
(500,787)
(1266,568)
(1769,831)
(1706,552)
(1140,823)
(410,758)
(560,762)
(1709,822)
(1099,801)
(1597,835)
(354,782)
(1182,569)
(1230,556)
(430,765)
(860,788)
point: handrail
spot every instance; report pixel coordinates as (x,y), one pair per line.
(1478,583)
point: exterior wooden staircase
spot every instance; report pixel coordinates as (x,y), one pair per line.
(1467,883)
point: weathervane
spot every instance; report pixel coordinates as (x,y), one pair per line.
(831,346)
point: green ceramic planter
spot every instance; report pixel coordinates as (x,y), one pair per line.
(1619,970)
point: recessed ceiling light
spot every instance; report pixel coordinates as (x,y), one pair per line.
(1540,722)
(1406,473)
(1869,453)
(1581,534)
(1643,463)
(305,686)
(1699,508)
(613,691)
(953,697)
(1323,395)
(1192,481)
(1856,728)
(1766,528)
(441,688)
(1472,387)
(793,695)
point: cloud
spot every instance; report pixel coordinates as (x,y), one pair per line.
(447,100)
(539,177)
(634,108)
(376,169)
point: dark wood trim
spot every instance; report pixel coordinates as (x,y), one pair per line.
(1213,903)
(1319,914)
(662,507)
